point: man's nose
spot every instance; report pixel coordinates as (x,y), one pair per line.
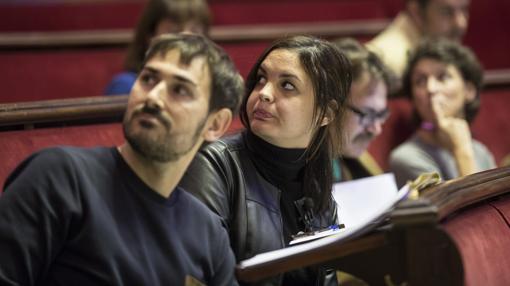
(155,96)
(375,127)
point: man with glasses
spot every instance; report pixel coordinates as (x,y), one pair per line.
(367,111)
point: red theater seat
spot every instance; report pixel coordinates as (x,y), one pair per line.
(17,145)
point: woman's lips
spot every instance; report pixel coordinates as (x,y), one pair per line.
(262,114)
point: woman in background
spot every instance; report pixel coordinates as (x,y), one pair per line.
(443,80)
(159,17)
(275,179)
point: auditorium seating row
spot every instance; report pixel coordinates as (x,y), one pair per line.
(58,50)
(456,234)
(28,126)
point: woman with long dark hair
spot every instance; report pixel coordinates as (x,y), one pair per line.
(274,179)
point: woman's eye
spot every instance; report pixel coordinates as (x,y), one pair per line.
(261,79)
(288,86)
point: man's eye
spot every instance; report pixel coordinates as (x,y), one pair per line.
(148,79)
(181,90)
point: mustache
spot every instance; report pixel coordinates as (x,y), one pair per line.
(156,112)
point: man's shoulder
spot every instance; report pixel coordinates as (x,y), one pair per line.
(64,158)
(201,213)
(67,153)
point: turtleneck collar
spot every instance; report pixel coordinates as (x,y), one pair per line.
(279,165)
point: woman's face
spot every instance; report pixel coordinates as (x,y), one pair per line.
(280,107)
(432,80)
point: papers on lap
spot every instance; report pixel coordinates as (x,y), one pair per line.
(361,203)
(367,200)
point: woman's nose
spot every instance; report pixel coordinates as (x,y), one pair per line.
(266,93)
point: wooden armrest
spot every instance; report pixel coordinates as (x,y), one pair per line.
(455,194)
(105,108)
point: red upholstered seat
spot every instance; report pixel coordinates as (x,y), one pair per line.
(54,74)
(492,125)
(483,238)
(17,145)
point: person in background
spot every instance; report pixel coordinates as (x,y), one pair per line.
(367,111)
(443,81)
(114,215)
(274,179)
(159,17)
(419,20)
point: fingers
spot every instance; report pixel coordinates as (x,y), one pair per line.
(437,108)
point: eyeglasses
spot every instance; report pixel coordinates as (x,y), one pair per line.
(369,118)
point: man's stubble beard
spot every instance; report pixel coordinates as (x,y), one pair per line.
(164,147)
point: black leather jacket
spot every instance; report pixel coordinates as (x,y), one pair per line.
(224,177)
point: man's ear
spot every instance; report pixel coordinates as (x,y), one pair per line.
(330,113)
(217,124)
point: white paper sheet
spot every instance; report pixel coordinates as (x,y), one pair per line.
(364,200)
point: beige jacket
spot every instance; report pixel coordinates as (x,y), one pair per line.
(394,43)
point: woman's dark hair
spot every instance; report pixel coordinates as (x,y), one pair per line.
(330,73)
(364,60)
(448,52)
(179,12)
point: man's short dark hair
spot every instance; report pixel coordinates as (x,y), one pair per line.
(448,52)
(227,85)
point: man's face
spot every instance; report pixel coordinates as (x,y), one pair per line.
(168,107)
(366,113)
(446,18)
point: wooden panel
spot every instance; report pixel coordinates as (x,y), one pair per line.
(63,111)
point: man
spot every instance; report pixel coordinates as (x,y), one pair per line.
(368,111)
(114,216)
(420,19)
